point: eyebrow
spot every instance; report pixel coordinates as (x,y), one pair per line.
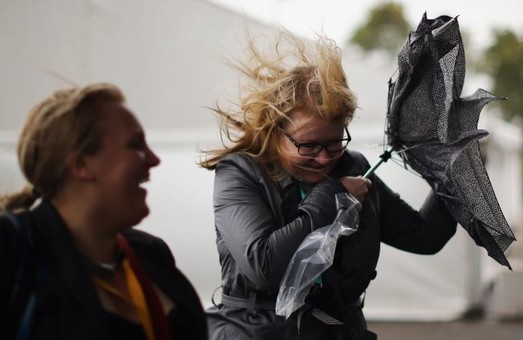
(328,141)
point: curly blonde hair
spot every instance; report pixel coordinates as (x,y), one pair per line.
(293,74)
(64,124)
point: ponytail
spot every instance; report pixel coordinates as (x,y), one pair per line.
(21,200)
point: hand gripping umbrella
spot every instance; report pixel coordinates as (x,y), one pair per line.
(435,132)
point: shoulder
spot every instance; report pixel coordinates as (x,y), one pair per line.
(8,238)
(6,224)
(357,157)
(352,163)
(239,160)
(140,237)
(14,227)
(238,165)
(10,219)
(148,245)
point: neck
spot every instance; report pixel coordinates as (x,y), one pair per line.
(93,237)
(98,247)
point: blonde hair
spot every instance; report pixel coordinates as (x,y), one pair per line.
(64,124)
(293,75)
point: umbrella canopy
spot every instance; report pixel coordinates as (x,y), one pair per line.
(434,130)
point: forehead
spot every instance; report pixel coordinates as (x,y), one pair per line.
(116,117)
(307,123)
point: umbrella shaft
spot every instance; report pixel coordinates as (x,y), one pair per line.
(383,158)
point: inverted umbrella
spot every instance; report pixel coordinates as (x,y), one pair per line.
(435,131)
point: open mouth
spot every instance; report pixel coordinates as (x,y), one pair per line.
(142,183)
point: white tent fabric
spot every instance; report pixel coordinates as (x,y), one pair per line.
(165,55)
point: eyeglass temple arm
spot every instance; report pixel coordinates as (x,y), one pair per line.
(384,157)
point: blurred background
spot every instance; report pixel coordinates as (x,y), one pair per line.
(167,56)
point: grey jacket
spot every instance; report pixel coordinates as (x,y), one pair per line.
(259,225)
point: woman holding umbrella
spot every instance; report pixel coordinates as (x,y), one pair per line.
(276,182)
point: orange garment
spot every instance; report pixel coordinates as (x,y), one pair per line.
(137,297)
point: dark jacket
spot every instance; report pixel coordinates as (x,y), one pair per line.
(67,305)
(259,225)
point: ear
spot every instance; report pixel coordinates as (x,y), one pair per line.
(78,167)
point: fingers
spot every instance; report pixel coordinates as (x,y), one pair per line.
(356,186)
(367,182)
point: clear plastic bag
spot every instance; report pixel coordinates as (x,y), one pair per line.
(314,255)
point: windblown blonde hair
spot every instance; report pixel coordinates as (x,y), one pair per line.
(64,124)
(290,74)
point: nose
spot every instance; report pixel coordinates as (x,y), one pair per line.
(152,159)
(323,157)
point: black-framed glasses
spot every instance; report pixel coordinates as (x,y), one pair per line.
(334,149)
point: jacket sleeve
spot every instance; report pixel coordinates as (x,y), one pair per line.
(422,232)
(7,268)
(257,240)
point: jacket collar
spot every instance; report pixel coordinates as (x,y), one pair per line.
(63,259)
(158,262)
(67,263)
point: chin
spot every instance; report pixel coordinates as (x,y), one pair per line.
(139,215)
(144,212)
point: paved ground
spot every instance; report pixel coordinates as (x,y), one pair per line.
(456,330)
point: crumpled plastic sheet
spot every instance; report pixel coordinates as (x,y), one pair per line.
(314,255)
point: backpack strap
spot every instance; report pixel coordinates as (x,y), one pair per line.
(23,298)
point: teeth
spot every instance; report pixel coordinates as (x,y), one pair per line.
(143,182)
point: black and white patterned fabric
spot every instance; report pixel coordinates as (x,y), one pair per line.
(435,130)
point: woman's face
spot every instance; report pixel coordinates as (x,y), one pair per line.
(309,128)
(120,167)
